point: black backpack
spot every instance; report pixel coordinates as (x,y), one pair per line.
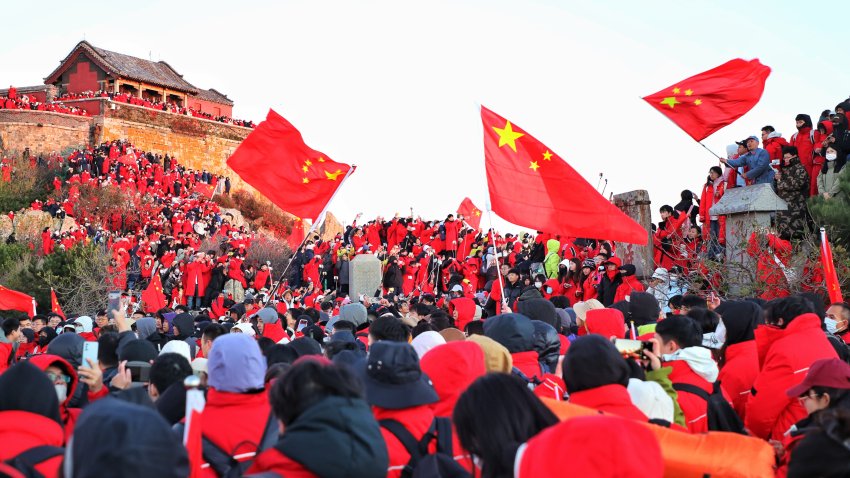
(26,461)
(221,461)
(423,464)
(721,416)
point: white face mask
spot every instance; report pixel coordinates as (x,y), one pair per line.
(61,392)
(831,325)
(831,156)
(548,290)
(720,333)
(538,284)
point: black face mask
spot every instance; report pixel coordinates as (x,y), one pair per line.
(43,340)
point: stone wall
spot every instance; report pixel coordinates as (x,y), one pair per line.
(42,131)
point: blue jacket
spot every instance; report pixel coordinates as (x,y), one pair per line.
(758,162)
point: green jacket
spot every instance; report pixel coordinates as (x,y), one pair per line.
(828,181)
(553,258)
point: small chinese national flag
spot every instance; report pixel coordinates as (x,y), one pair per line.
(704,103)
(833,287)
(152,296)
(532,187)
(275,160)
(470,213)
(192,433)
(54,304)
(14,300)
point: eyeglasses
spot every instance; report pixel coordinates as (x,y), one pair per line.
(808,396)
(55,377)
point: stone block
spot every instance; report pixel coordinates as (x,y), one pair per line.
(365,275)
(636,205)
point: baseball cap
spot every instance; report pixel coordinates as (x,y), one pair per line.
(832,373)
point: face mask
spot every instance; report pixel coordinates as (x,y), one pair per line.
(548,290)
(43,341)
(831,325)
(61,392)
(720,333)
(831,156)
(538,284)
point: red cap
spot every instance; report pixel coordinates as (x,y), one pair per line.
(832,373)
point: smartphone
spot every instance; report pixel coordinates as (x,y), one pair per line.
(89,352)
(113,303)
(301,324)
(628,346)
(140,372)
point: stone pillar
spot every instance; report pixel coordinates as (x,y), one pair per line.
(365,276)
(636,205)
(747,210)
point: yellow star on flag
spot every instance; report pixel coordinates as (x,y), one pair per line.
(697,102)
(534,166)
(321,159)
(676,90)
(547,155)
(671,101)
(305,168)
(305,180)
(333,176)
(478,213)
(507,135)
(308,162)
(689,92)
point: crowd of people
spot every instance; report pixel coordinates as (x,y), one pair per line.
(153,103)
(478,354)
(14,101)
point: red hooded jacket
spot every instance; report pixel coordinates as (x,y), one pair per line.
(416,420)
(739,372)
(605,322)
(784,358)
(613,399)
(69,415)
(465,309)
(235,422)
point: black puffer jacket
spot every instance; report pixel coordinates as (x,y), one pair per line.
(546,344)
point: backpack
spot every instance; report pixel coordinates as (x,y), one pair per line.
(841,348)
(26,461)
(222,462)
(423,464)
(721,416)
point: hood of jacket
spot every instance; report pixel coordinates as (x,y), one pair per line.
(547,344)
(185,325)
(827,125)
(69,346)
(699,359)
(465,308)
(628,270)
(24,387)
(452,367)
(539,309)
(740,319)
(553,246)
(606,322)
(354,313)
(514,331)
(145,327)
(46,360)
(344,425)
(139,443)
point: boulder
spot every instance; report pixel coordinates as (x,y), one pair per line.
(233,216)
(5,227)
(29,224)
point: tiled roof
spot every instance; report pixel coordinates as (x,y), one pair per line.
(154,72)
(215,96)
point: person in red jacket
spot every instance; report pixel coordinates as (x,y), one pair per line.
(462,310)
(452,367)
(237,410)
(804,141)
(10,338)
(678,343)
(452,228)
(65,381)
(669,234)
(630,283)
(606,323)
(401,397)
(319,404)
(194,288)
(773,143)
(712,192)
(739,363)
(29,412)
(772,254)
(596,376)
(790,341)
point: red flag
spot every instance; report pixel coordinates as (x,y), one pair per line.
(54,304)
(128,159)
(832,284)
(704,103)
(297,236)
(533,187)
(14,300)
(276,162)
(205,189)
(192,432)
(470,213)
(152,296)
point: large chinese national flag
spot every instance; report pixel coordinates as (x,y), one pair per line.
(275,160)
(533,187)
(470,213)
(704,103)
(153,296)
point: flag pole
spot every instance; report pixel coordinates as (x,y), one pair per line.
(496,255)
(313,227)
(710,151)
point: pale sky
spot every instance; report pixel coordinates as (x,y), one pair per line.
(393,86)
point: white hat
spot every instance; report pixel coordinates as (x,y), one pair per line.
(199,365)
(244,328)
(426,341)
(661,274)
(177,347)
(457,288)
(651,399)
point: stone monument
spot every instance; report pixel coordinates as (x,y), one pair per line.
(748,210)
(365,276)
(636,205)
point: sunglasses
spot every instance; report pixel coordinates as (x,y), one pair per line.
(55,377)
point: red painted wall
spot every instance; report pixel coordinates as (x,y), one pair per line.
(82,77)
(214,109)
